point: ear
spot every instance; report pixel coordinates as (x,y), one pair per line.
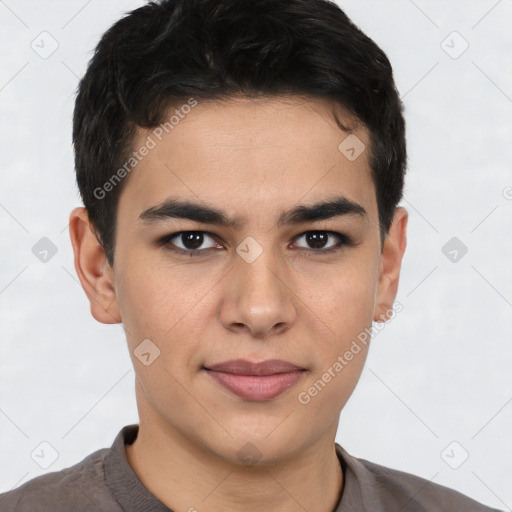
(390,263)
(94,272)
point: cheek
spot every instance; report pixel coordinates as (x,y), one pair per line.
(343,295)
(153,295)
(167,306)
(346,307)
(343,299)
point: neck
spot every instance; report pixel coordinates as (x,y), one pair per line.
(184,478)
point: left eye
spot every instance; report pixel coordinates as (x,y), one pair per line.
(317,240)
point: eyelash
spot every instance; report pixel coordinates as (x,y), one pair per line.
(343,240)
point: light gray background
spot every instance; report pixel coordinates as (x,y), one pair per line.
(438,373)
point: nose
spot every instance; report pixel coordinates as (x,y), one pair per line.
(258,299)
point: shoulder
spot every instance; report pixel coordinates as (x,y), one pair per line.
(382,488)
(80,487)
(416,493)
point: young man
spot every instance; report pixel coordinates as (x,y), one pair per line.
(241,165)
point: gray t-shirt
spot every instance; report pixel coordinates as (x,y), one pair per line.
(104,481)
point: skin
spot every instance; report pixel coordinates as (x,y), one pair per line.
(253,159)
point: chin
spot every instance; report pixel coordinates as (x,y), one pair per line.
(265,446)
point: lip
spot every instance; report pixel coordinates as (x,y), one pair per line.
(256,381)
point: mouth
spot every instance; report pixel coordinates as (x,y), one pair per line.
(255,381)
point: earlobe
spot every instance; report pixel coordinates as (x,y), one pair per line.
(92,268)
(390,265)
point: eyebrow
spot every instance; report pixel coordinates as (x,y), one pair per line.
(183,209)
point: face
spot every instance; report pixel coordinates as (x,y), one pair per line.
(269,283)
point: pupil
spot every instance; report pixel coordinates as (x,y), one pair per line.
(192,240)
(316,240)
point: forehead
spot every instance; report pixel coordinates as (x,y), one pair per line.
(249,156)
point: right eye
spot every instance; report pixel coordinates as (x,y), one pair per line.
(190,242)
